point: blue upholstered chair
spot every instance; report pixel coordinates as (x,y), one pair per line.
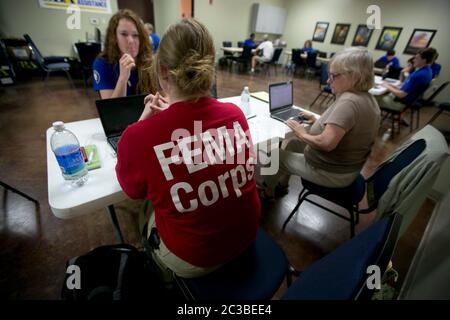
(343,274)
(255,275)
(349,197)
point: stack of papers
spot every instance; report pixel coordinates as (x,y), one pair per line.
(261,95)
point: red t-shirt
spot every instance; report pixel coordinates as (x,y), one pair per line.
(195,163)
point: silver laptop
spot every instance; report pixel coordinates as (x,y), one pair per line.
(281,102)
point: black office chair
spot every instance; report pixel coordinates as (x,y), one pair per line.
(244,59)
(395,113)
(296,61)
(420,103)
(343,274)
(240,44)
(443,107)
(87,52)
(255,275)
(49,64)
(273,62)
(350,197)
(325,90)
(310,62)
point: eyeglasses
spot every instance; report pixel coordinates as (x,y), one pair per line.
(334,76)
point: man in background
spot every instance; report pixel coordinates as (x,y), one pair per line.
(267,53)
(153,36)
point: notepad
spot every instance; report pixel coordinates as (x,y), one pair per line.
(93,158)
(261,95)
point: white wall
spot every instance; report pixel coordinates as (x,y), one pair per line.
(47,27)
(227,20)
(408,14)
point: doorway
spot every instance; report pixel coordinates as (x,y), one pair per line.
(144,8)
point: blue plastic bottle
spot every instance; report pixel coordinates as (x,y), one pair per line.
(67,151)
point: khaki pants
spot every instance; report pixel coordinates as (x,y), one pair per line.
(292,161)
(167,261)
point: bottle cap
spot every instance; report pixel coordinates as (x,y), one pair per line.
(58,125)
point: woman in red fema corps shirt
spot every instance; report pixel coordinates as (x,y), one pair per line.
(192,157)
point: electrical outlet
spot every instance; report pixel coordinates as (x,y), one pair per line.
(94,21)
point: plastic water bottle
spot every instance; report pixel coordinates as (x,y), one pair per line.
(68,154)
(245,101)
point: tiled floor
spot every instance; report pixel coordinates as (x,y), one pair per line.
(34,244)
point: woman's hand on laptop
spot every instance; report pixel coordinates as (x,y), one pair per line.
(309,118)
(153,104)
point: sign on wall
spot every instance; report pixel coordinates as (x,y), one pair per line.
(99,6)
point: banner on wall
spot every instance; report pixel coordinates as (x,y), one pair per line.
(99,6)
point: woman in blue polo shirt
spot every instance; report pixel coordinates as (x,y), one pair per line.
(122,69)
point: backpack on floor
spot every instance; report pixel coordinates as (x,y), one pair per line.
(113,272)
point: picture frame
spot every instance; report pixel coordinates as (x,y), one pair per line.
(362,36)
(420,39)
(388,38)
(320,31)
(340,33)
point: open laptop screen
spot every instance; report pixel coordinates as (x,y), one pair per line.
(280,95)
(118,113)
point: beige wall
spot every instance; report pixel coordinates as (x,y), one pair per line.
(47,27)
(408,14)
(227,20)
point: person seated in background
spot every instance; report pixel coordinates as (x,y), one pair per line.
(416,83)
(153,36)
(307,47)
(435,67)
(332,152)
(206,210)
(267,53)
(250,42)
(406,71)
(121,69)
(387,61)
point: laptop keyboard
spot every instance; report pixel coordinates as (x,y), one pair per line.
(113,142)
(288,113)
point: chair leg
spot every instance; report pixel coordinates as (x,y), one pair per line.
(46,77)
(316,99)
(352,222)
(301,197)
(70,78)
(437,114)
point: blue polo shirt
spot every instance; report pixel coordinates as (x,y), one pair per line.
(435,69)
(394,62)
(106,76)
(249,42)
(309,50)
(416,83)
(155,40)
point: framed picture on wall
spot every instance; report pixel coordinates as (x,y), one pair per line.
(362,36)
(340,33)
(388,38)
(320,31)
(420,39)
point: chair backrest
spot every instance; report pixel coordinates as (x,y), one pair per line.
(393,72)
(311,58)
(297,56)
(378,183)
(240,44)
(343,274)
(87,52)
(433,96)
(246,53)
(276,55)
(226,44)
(323,74)
(321,54)
(37,54)
(255,275)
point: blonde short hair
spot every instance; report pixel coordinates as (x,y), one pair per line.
(358,63)
(187,51)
